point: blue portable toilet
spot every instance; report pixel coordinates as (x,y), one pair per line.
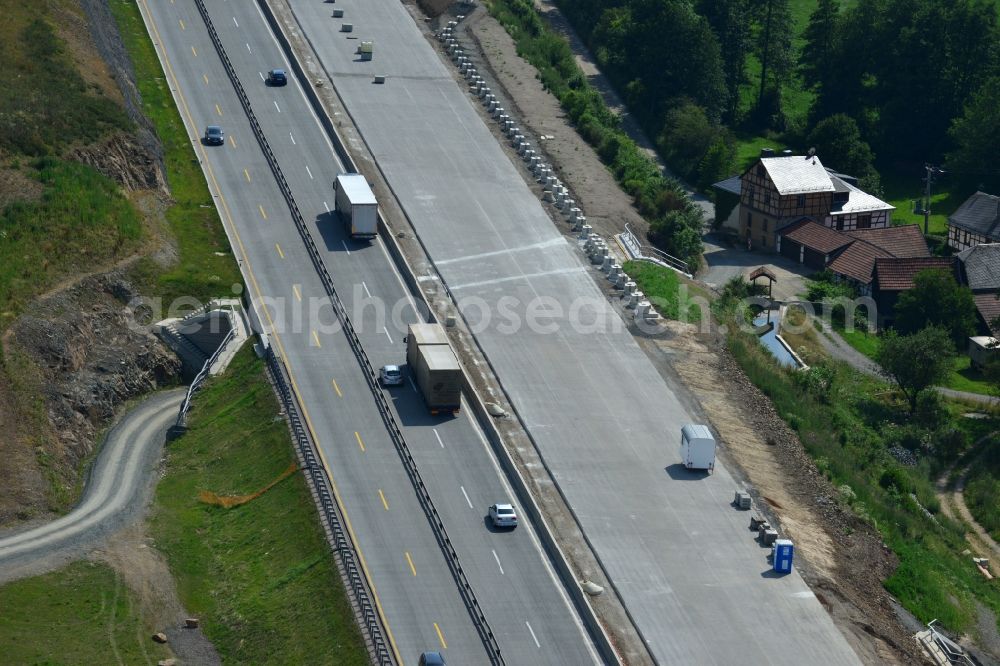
(783,553)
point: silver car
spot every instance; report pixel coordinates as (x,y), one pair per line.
(391,375)
(503,515)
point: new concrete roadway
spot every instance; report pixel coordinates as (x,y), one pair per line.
(605,422)
(115,492)
(526,607)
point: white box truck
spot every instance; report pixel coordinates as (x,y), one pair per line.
(697,447)
(355,202)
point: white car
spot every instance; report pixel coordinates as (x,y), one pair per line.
(391,375)
(503,515)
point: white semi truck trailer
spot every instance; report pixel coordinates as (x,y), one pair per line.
(355,202)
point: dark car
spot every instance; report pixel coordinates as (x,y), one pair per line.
(214,136)
(431,659)
(276,77)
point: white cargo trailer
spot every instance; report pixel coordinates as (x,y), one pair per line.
(697,447)
(355,202)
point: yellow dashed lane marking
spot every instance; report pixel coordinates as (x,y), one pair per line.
(205,77)
(194,52)
(358,437)
(298,294)
(381,496)
(262,213)
(182,23)
(218,110)
(413,569)
(440,635)
(282,255)
(247,174)
(337,388)
(316,339)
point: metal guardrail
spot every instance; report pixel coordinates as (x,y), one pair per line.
(199,379)
(340,542)
(640,251)
(423,496)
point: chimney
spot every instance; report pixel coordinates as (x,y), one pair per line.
(767,152)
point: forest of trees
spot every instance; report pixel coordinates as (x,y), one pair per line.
(903,81)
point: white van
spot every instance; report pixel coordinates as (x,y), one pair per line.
(697,447)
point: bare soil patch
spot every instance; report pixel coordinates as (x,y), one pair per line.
(70,23)
(133,555)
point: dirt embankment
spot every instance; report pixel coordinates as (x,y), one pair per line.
(70,360)
(75,357)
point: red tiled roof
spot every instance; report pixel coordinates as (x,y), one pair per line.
(903,241)
(896,273)
(814,236)
(858,261)
(989,307)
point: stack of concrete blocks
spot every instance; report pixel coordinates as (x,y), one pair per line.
(553,190)
(634,299)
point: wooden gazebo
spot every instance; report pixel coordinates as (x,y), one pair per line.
(763,272)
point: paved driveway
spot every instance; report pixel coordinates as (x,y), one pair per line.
(725,263)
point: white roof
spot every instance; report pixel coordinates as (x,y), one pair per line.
(355,186)
(696,431)
(985,341)
(797,174)
(858,201)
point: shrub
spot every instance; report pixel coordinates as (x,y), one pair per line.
(894,478)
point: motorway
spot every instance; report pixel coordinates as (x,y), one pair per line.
(528,610)
(115,491)
(604,420)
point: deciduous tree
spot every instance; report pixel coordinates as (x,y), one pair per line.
(937,300)
(916,362)
(838,143)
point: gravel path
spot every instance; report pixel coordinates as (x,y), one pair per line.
(116,492)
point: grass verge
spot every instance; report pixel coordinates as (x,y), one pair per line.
(671,296)
(205,267)
(849,423)
(260,575)
(82,614)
